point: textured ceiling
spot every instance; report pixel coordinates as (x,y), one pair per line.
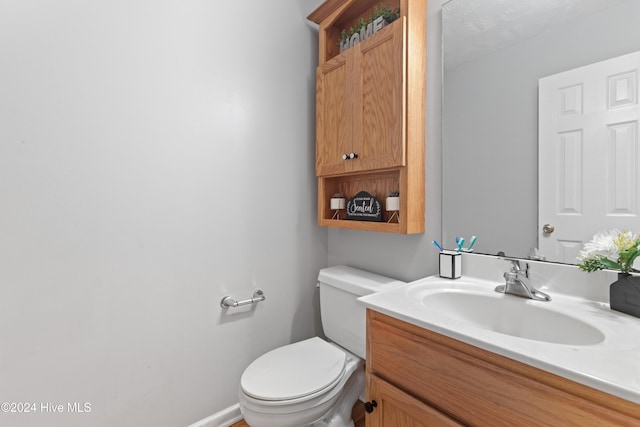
(472,28)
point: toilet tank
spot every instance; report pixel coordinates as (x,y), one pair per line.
(343,317)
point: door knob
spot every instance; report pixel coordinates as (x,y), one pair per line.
(368,406)
(548,228)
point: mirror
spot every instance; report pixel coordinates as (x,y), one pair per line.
(494,53)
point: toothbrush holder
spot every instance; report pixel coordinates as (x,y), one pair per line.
(450,264)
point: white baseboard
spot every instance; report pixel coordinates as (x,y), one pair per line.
(224,418)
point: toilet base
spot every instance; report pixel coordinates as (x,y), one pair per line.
(341,415)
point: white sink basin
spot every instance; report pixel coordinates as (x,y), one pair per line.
(511,315)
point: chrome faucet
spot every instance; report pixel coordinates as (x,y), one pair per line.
(518,283)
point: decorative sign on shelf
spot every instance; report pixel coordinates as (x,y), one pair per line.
(380,16)
(364,207)
(366,31)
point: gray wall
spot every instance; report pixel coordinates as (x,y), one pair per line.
(490,159)
(155,156)
(137,138)
(406,257)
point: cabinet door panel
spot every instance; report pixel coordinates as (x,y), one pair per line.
(381,102)
(396,408)
(333,115)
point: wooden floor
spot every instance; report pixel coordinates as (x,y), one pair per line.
(357,415)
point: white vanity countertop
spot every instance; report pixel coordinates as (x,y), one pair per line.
(612,365)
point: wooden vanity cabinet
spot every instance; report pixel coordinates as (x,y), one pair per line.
(370,112)
(434,380)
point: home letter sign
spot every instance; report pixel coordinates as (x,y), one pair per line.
(368,30)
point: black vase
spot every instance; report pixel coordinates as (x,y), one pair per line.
(624,294)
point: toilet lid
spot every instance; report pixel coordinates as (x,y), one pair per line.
(294,371)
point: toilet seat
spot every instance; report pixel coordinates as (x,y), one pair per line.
(294,372)
(311,406)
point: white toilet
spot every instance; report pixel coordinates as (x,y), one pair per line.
(315,382)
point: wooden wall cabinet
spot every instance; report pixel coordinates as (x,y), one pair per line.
(452,383)
(370,110)
(359,106)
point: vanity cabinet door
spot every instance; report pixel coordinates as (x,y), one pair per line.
(396,408)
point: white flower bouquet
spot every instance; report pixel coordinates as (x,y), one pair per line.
(616,250)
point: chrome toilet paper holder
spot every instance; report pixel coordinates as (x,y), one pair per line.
(228,302)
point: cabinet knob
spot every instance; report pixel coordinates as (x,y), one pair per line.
(368,406)
(353,156)
(345,156)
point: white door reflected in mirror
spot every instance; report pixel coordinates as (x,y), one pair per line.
(589,174)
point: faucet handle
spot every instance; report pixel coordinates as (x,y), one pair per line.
(515,263)
(515,266)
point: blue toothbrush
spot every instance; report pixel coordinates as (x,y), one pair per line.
(437,245)
(460,244)
(473,242)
